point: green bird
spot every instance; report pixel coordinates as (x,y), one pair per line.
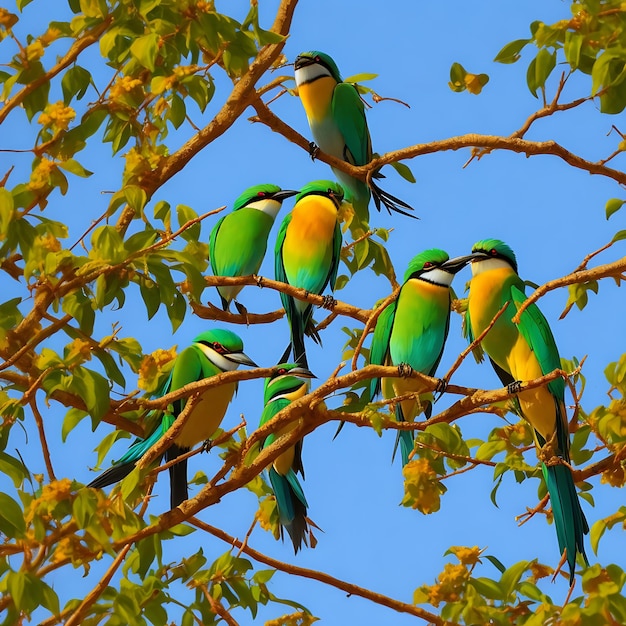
(524,352)
(238,241)
(212,352)
(307,256)
(336,115)
(411,333)
(288,383)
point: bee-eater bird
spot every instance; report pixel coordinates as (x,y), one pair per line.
(307,256)
(336,116)
(238,241)
(524,352)
(212,352)
(411,333)
(288,383)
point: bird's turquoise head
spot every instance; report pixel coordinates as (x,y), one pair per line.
(261,194)
(434,266)
(493,249)
(223,348)
(287,379)
(327,188)
(314,64)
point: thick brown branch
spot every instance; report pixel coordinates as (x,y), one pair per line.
(242,95)
(341,308)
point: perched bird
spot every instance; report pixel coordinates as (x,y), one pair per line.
(212,352)
(239,239)
(288,383)
(411,333)
(336,116)
(307,256)
(524,352)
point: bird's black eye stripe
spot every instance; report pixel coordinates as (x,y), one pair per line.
(214,345)
(279,372)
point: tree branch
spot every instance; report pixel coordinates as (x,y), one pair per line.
(349,588)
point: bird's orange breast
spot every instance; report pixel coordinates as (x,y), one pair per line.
(316,97)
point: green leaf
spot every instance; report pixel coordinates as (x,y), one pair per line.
(93,389)
(176,311)
(12,522)
(177,111)
(512,576)
(595,534)
(612,206)
(136,198)
(13,468)
(145,50)
(403,170)
(75,83)
(511,52)
(572,47)
(186,214)
(487,588)
(457,77)
(619,235)
(74,167)
(360,78)
(71,420)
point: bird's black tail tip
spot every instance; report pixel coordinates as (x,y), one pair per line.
(390,202)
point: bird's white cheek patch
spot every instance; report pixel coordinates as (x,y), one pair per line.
(269,207)
(310,73)
(438,277)
(217,359)
(478,267)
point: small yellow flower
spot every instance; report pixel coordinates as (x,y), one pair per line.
(40,176)
(539,571)
(467,556)
(151,367)
(57,116)
(123,86)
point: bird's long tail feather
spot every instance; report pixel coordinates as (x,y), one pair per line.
(390,202)
(112,475)
(405,438)
(179,491)
(292,506)
(569,518)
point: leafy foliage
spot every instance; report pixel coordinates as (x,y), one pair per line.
(158,80)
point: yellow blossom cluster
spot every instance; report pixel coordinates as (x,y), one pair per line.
(422,489)
(40,176)
(123,86)
(151,367)
(57,116)
(450,585)
(467,556)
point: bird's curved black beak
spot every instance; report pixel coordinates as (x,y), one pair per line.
(301,372)
(240,358)
(283,194)
(301,62)
(457,263)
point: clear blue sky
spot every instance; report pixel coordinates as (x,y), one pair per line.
(550,214)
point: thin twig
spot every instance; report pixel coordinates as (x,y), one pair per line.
(349,588)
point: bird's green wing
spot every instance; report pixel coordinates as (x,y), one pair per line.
(212,240)
(536,331)
(188,368)
(348,111)
(380,343)
(337,241)
(270,409)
